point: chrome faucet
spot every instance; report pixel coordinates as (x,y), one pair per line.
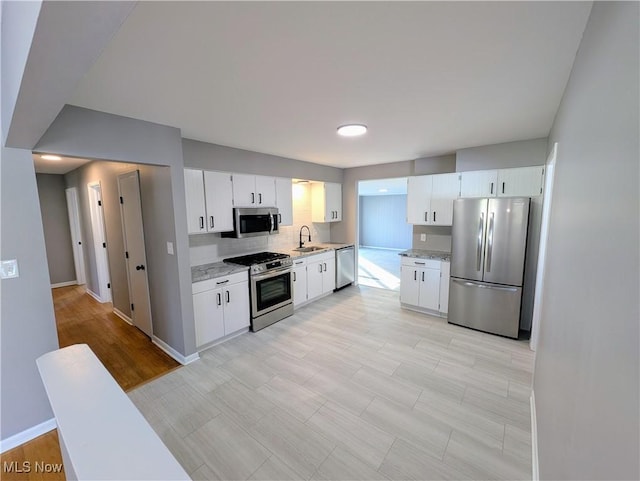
(309,231)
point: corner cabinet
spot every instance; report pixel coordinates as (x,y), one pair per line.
(515,182)
(208,198)
(284,201)
(253,191)
(220,307)
(430,198)
(424,285)
(326,202)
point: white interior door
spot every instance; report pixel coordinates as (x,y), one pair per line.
(76,234)
(133,233)
(103,289)
(542,250)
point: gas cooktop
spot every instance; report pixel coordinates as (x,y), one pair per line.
(257,258)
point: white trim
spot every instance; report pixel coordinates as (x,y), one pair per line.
(123,316)
(27,435)
(534,439)
(64,284)
(184,360)
(95,296)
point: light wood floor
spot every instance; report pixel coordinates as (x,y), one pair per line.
(350,387)
(125,351)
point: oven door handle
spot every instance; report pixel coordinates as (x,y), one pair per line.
(271,273)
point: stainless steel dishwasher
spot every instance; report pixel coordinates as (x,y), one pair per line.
(345,266)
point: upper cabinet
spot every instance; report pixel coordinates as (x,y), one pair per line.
(208,196)
(430,198)
(516,182)
(326,202)
(253,191)
(284,201)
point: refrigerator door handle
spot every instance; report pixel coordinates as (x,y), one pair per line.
(480,239)
(490,242)
(484,286)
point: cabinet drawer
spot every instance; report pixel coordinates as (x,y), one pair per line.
(299,262)
(417,262)
(218,282)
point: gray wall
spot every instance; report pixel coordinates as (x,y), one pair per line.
(202,155)
(383,222)
(95,135)
(502,156)
(28,327)
(586,373)
(55,222)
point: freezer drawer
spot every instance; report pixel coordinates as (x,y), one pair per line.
(485,307)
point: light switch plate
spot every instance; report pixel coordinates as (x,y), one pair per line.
(423,237)
(170,248)
(9,269)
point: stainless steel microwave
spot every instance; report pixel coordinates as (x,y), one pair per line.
(253,222)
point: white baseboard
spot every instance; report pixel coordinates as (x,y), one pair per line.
(534,439)
(184,360)
(27,435)
(64,284)
(95,296)
(123,316)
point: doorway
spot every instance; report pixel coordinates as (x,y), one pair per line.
(383,231)
(103,289)
(73,210)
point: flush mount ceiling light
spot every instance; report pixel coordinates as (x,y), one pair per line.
(50,157)
(383,190)
(352,130)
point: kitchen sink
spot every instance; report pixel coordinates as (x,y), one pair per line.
(309,249)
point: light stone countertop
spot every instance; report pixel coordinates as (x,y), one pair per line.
(326,246)
(426,254)
(215,269)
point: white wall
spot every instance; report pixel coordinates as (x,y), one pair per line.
(502,156)
(586,378)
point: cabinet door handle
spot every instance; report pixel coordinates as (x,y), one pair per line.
(503,187)
(325,267)
(228,297)
(201,222)
(491,188)
(426,216)
(422,276)
(211,224)
(415,275)
(253,198)
(320,266)
(294,277)
(219,299)
(434,216)
(260,198)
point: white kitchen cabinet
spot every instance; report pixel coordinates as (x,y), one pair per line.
(419,199)
(444,190)
(445,269)
(521,182)
(196,210)
(321,274)
(218,201)
(299,274)
(515,182)
(420,284)
(253,191)
(284,201)
(326,202)
(221,307)
(208,196)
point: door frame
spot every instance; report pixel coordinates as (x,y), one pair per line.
(73,211)
(98,231)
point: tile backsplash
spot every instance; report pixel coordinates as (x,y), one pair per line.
(206,248)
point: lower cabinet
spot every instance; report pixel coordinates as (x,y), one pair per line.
(221,307)
(299,275)
(422,285)
(313,277)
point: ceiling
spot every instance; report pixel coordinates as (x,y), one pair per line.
(427,78)
(62,166)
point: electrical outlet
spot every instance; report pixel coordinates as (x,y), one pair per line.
(423,237)
(170,248)
(9,269)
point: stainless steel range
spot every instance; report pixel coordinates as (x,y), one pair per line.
(270,287)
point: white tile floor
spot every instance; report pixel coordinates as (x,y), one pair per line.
(350,387)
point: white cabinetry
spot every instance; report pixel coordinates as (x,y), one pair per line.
(299,274)
(420,284)
(284,201)
(326,202)
(253,191)
(209,206)
(221,307)
(520,181)
(321,274)
(430,198)
(445,269)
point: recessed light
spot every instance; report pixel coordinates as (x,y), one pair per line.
(352,130)
(50,157)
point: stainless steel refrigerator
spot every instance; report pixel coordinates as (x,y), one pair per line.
(488,248)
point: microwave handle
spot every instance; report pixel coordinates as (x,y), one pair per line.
(271,226)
